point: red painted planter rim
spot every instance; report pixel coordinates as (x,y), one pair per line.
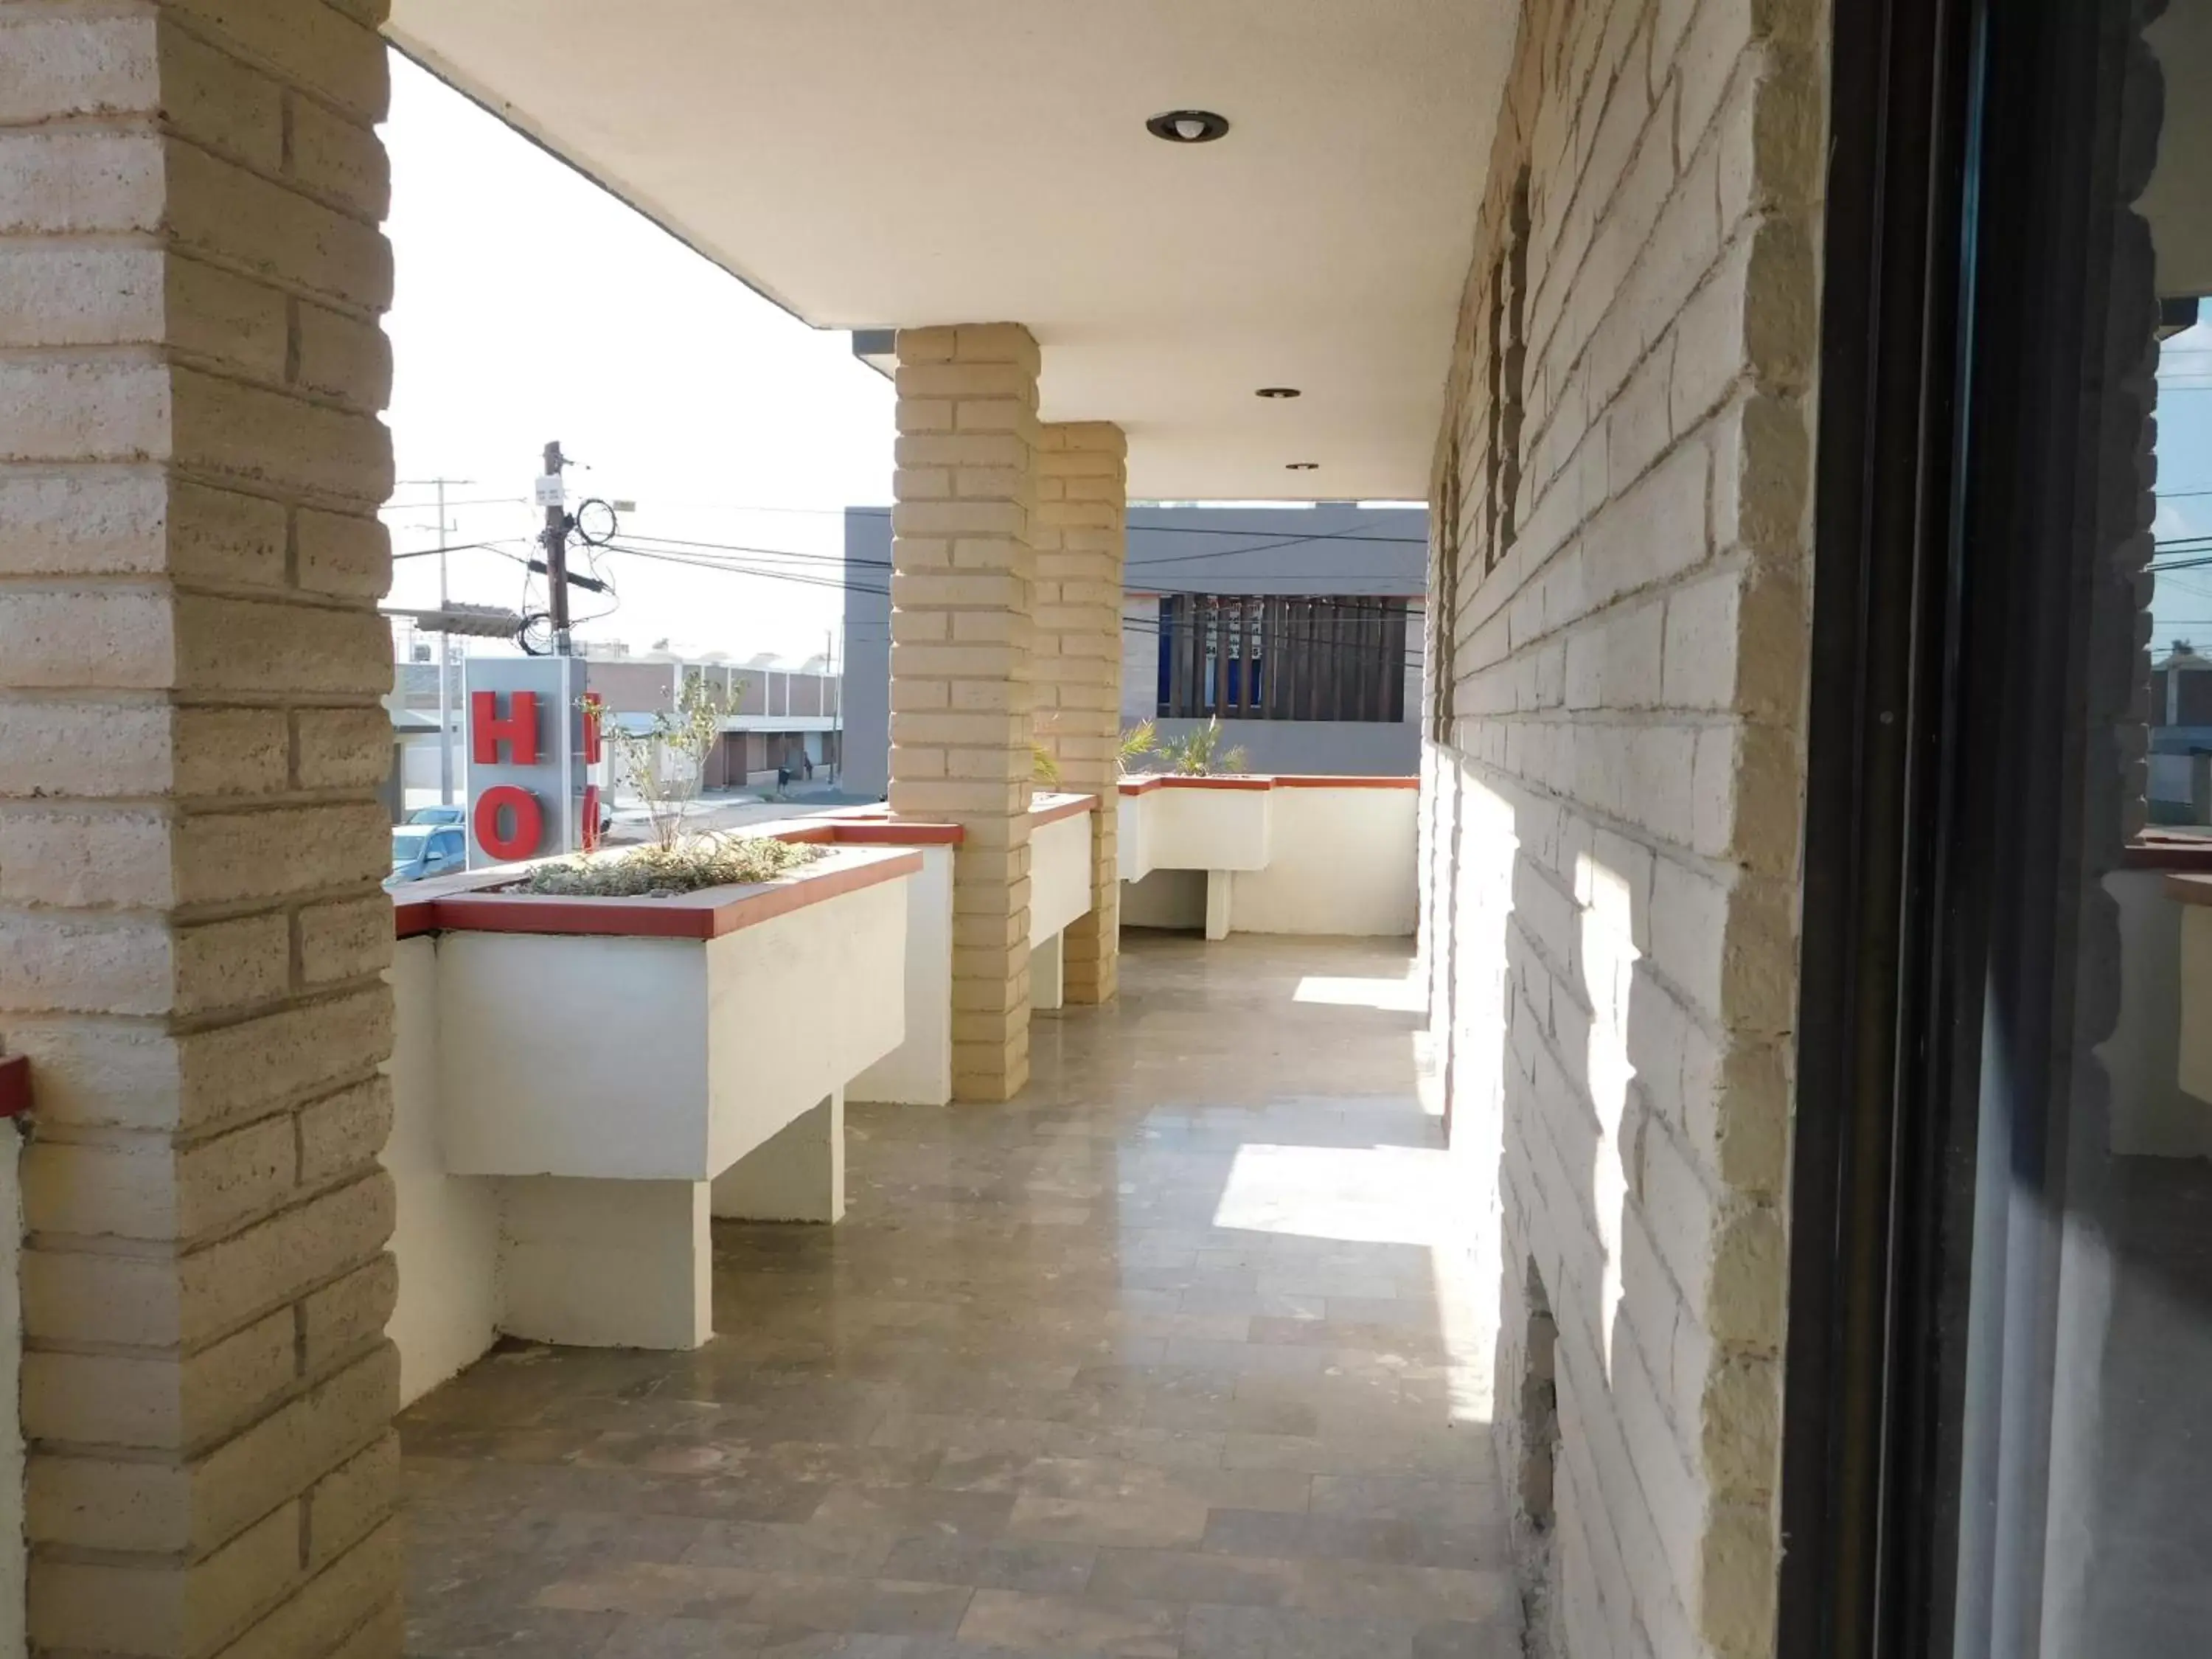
(15,1086)
(708,914)
(1145,786)
(1061,806)
(871,832)
(2157,852)
(2188,890)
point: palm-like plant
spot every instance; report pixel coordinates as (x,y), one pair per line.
(1139,741)
(1199,753)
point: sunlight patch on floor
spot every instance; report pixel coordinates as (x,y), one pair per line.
(1373,1195)
(1397,995)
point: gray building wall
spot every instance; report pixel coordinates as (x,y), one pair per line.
(1329,550)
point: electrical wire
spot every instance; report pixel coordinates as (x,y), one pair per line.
(493,546)
(1352,535)
(1363,613)
(432,506)
(704,551)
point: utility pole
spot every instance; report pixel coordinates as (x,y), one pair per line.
(444,646)
(834,687)
(556,549)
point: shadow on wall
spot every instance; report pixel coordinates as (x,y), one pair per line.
(1586,1098)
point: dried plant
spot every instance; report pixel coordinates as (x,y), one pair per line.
(665,761)
(663,872)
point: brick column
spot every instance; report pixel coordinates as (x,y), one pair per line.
(963,568)
(1082,518)
(191,743)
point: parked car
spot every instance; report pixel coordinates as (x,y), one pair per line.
(439,815)
(426,849)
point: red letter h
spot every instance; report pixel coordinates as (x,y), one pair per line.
(519,730)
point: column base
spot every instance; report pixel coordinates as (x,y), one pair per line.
(606,1264)
(798,1174)
(1218,885)
(1046,976)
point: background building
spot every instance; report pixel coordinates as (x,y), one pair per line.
(1330,595)
(786,713)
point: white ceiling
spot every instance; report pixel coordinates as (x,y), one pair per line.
(876,163)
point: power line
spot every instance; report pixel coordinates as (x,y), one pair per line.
(474,500)
(460,547)
(1352,535)
(704,556)
(1140,625)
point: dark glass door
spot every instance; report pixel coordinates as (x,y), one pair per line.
(2000,1436)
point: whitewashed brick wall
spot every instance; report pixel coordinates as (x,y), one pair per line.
(1615,787)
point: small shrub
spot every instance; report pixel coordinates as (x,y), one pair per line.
(1199,753)
(666,762)
(1136,742)
(657,872)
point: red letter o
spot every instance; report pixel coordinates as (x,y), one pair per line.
(529,822)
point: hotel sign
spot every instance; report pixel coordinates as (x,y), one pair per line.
(534,759)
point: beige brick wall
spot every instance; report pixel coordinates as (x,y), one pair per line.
(963,571)
(1618,656)
(1081,534)
(192,273)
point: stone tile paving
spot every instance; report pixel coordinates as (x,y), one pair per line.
(1157,1362)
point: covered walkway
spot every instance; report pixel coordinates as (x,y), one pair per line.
(1156,1361)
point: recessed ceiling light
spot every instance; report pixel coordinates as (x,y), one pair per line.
(1300,466)
(1188,126)
(1278,391)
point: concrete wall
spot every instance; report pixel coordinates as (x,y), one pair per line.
(12,1563)
(446,1236)
(1339,862)
(1355,749)
(2152,1115)
(1618,655)
(1282,860)
(918,1072)
(1171,899)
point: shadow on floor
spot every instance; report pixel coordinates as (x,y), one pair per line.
(1157,1362)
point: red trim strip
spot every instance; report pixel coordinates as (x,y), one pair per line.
(15,1086)
(429,907)
(1145,786)
(2168,853)
(885,832)
(1063,806)
(706,914)
(2188,890)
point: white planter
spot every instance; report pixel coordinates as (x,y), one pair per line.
(639,1059)
(1271,855)
(580,1082)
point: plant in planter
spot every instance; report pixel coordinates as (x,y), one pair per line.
(665,762)
(1199,754)
(693,862)
(1139,741)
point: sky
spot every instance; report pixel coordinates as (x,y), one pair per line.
(532,306)
(2181,602)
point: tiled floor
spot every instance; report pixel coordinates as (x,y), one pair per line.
(1153,1364)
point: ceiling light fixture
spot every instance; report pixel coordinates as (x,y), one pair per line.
(1300,466)
(1188,126)
(1278,391)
